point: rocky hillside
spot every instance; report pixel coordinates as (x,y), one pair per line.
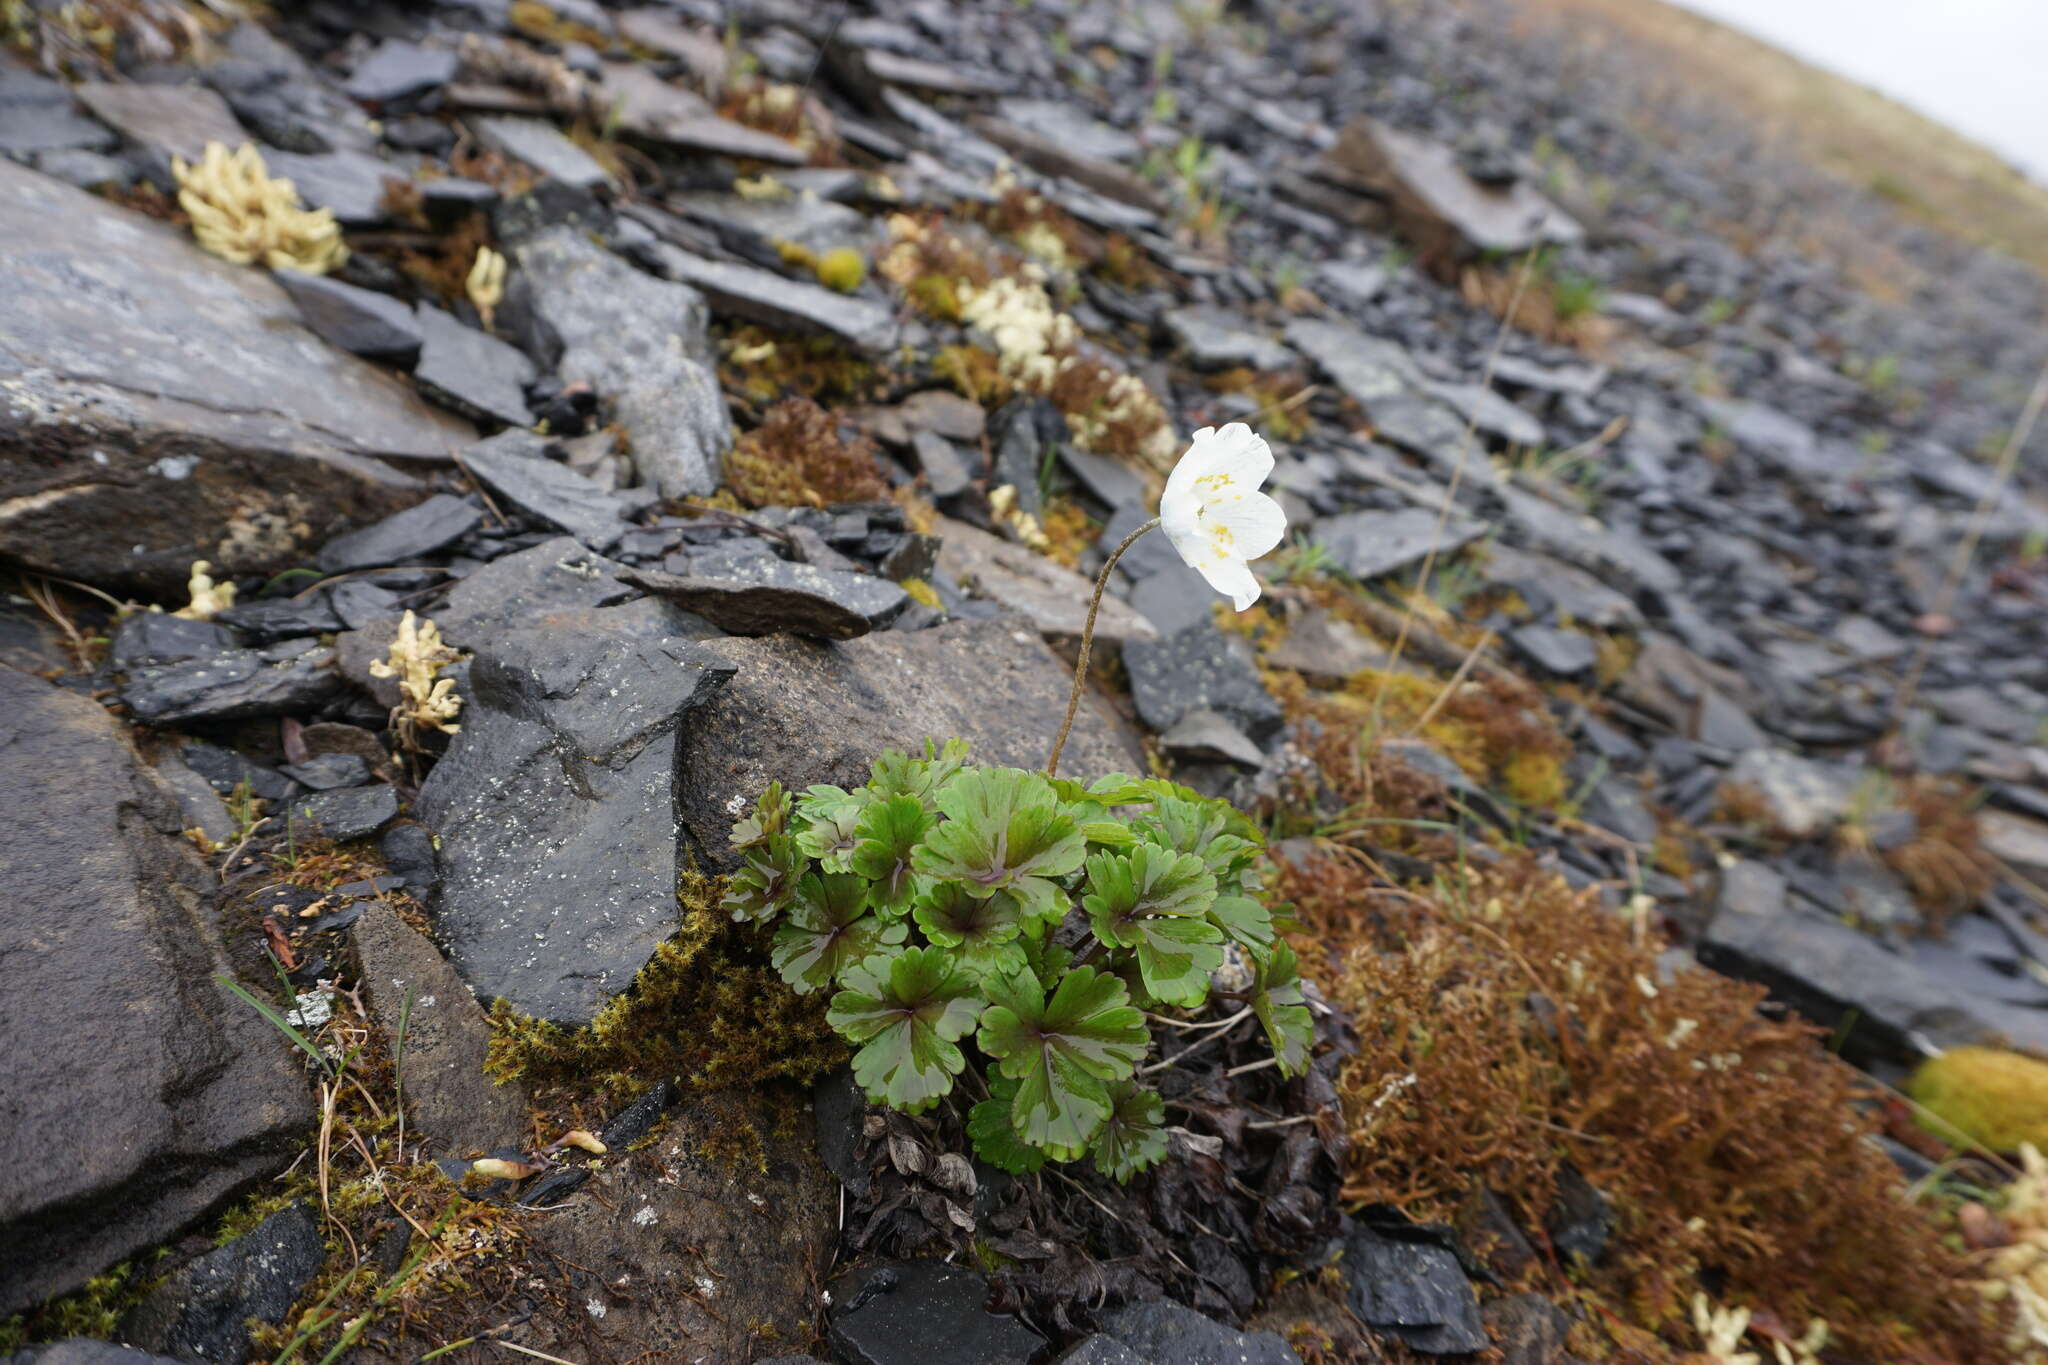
(469,464)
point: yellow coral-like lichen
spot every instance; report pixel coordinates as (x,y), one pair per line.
(1002,505)
(209,599)
(241,213)
(426,702)
(485,283)
(2019,1270)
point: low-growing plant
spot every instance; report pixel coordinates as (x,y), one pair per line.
(946,902)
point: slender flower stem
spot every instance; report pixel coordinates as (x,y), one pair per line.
(1052,765)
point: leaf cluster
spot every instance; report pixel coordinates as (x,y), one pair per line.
(951,905)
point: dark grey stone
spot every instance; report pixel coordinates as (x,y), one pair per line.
(555,807)
(342,814)
(1218,340)
(119,1127)
(472,372)
(510,591)
(773,300)
(1175,599)
(347,183)
(1200,667)
(1110,482)
(513,466)
(203,1310)
(157,637)
(1369,544)
(1101,1350)
(162,390)
(268,620)
(165,120)
(358,603)
(838,1108)
(802,712)
(1350,283)
(415,533)
(396,69)
(764,596)
(408,850)
(1412,1290)
(1163,1331)
(1580,1219)
(923,1312)
(198,803)
(288,679)
(1206,736)
(225,771)
(329,771)
(1566,653)
(641,343)
(945,471)
(37,115)
(360,321)
(86,1351)
(544,147)
(651,109)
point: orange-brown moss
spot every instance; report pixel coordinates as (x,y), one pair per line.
(798,457)
(763,366)
(1281,396)
(1514,1026)
(1944,863)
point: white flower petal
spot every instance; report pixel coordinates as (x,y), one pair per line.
(1247,525)
(1231,577)
(1233,457)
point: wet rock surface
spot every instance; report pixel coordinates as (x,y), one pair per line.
(203,1309)
(896,1313)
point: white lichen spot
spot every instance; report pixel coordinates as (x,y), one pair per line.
(595,1307)
(646,1218)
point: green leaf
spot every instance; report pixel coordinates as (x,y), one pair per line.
(1282,1007)
(884,837)
(1188,822)
(1244,921)
(826,820)
(1154,900)
(907,1012)
(828,930)
(1112,832)
(1131,1138)
(1004,832)
(1061,1052)
(766,879)
(896,773)
(771,816)
(995,1132)
(980,933)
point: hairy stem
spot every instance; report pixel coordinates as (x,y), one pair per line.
(1052,765)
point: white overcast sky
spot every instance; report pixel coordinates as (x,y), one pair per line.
(1980,66)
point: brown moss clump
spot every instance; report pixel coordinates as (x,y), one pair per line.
(797,458)
(934,267)
(707,1010)
(1512,1027)
(1495,727)
(1040,229)
(1282,397)
(976,373)
(1069,531)
(1944,863)
(764,366)
(784,111)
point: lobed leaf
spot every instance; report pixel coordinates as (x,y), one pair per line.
(1154,900)
(1004,832)
(766,879)
(981,932)
(994,1131)
(907,1012)
(1282,1007)
(828,929)
(886,833)
(1131,1138)
(826,818)
(770,816)
(1061,1051)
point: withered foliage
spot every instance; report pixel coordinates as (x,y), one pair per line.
(798,458)
(1248,1189)
(1509,1027)
(1944,862)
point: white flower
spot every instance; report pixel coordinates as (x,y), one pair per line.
(1214,513)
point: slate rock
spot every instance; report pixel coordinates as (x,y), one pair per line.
(396,69)
(359,321)
(86,1351)
(2018,840)
(1804,796)
(1175,599)
(761,296)
(1218,340)
(278,95)
(472,372)
(838,1109)
(1352,283)
(1100,1350)
(764,596)
(349,184)
(509,591)
(923,1312)
(403,537)
(1200,667)
(1326,648)
(1567,587)
(802,712)
(408,850)
(1163,1331)
(641,343)
(541,145)
(1052,598)
(157,388)
(648,108)
(204,1308)
(226,771)
(157,637)
(40,116)
(1441,208)
(555,807)
(1208,736)
(166,120)
(458,1111)
(287,679)
(732,1252)
(1581,1219)
(328,771)
(512,464)
(1415,1291)
(1370,544)
(271,620)
(1555,650)
(118,1128)
(342,814)
(199,805)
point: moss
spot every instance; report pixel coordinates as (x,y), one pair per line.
(1508,1026)
(765,367)
(1944,863)
(95,1309)
(842,269)
(920,592)
(797,457)
(1534,778)
(1996,1098)
(975,372)
(707,1010)
(1069,531)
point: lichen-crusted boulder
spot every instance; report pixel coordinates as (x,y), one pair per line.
(148,386)
(136,1096)
(801,712)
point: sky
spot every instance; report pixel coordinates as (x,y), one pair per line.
(1980,66)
